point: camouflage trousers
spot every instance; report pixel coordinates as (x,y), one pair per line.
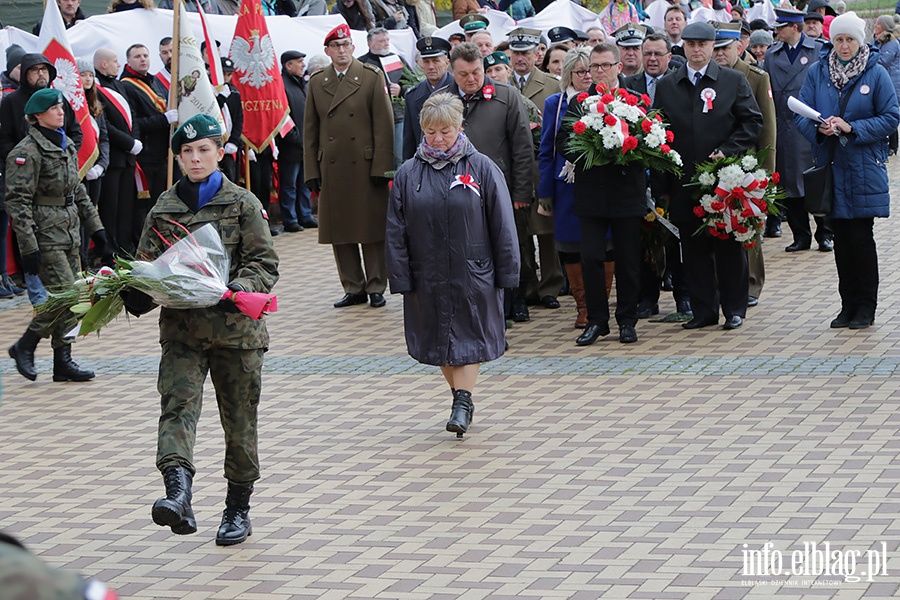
(57,267)
(237,378)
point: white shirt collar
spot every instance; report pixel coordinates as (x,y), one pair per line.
(692,71)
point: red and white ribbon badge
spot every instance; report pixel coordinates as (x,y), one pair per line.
(467,181)
(707,96)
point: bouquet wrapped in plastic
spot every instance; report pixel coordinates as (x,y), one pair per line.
(191,273)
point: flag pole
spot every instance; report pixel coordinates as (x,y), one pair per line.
(246,170)
(173,83)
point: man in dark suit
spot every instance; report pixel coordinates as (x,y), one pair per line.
(293,196)
(435,53)
(716,270)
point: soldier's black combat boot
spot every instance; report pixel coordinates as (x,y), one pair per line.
(461,413)
(175,510)
(235,527)
(66,369)
(23,353)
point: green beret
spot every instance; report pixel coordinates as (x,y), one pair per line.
(43,100)
(196,128)
(496,58)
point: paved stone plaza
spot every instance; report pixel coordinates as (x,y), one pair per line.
(613,471)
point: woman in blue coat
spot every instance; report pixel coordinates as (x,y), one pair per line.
(887,31)
(555,194)
(859,142)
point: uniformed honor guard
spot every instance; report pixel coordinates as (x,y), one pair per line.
(219,341)
(629,38)
(716,270)
(435,54)
(473,23)
(562,35)
(726,54)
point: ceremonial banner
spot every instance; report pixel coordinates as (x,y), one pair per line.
(56,48)
(194,92)
(212,52)
(257,77)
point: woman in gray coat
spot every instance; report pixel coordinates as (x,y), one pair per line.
(451,249)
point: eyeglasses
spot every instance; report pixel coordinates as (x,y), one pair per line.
(655,54)
(603,66)
(581,73)
(40,69)
(340,44)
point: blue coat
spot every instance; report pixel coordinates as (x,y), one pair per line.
(550,163)
(889,58)
(861,188)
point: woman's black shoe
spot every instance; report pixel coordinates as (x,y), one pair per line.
(461,413)
(591,333)
(864,318)
(843,319)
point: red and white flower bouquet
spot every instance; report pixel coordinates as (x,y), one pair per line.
(736,195)
(619,127)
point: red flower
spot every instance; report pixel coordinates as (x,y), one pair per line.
(738,193)
(629,144)
(658,118)
(582,97)
(720,225)
(763,183)
(750,244)
(646,125)
(712,231)
(631,100)
(699,212)
(670,137)
(579,127)
(610,120)
(741,229)
(601,88)
(776,177)
(607,98)
(717,206)
(621,92)
(665,148)
(646,99)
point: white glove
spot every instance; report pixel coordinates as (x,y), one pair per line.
(95,172)
(230,149)
(138,146)
(251,155)
(171,116)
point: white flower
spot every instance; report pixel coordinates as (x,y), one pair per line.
(676,158)
(749,162)
(706,202)
(759,174)
(707,178)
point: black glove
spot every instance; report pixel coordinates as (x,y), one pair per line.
(376,180)
(314,185)
(104,249)
(228,304)
(137,302)
(31,263)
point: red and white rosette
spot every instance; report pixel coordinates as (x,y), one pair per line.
(488,92)
(707,96)
(466,181)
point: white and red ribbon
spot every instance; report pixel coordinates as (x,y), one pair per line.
(467,181)
(707,96)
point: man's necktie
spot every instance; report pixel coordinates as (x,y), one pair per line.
(697,77)
(521,84)
(651,89)
(340,76)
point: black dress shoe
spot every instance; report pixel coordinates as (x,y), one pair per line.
(377,300)
(591,333)
(520,313)
(773,232)
(351,299)
(310,223)
(697,323)
(683,306)
(645,311)
(864,318)
(752,301)
(797,247)
(843,319)
(826,245)
(627,334)
(293,227)
(733,322)
(667,284)
(549,302)
(274,232)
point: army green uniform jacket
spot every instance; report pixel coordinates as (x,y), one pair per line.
(240,220)
(44,196)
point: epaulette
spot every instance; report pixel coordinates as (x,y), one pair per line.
(755,69)
(371,67)
(317,73)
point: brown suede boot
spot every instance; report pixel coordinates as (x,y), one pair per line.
(576,285)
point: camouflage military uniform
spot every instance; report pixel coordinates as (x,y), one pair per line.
(47,205)
(228,346)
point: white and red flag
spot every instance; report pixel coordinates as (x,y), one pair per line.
(68,80)
(257,77)
(216,75)
(194,92)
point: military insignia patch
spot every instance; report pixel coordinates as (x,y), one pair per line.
(189,131)
(265,215)
(20,160)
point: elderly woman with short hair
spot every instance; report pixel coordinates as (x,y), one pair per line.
(451,249)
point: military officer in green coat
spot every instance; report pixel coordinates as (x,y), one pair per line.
(219,340)
(48,206)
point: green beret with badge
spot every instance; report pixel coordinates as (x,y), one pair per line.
(43,100)
(196,128)
(496,58)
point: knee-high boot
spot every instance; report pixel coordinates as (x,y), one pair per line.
(576,285)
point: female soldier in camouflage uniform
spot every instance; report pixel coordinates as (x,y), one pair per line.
(219,340)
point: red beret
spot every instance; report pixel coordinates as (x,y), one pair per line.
(338,33)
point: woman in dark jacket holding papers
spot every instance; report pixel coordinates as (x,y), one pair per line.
(858,140)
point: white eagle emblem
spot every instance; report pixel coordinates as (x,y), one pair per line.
(68,82)
(254,58)
(189,131)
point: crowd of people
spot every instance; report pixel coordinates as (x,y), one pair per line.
(490,213)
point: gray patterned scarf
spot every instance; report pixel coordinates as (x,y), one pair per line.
(841,73)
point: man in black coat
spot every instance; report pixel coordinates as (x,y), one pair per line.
(118,193)
(71,13)
(229,101)
(435,53)
(293,195)
(716,270)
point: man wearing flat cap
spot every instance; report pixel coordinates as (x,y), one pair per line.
(713,114)
(293,195)
(814,25)
(787,62)
(348,151)
(828,13)
(435,60)
(536,86)
(629,39)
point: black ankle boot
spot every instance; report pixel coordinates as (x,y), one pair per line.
(175,510)
(235,527)
(461,413)
(66,369)
(23,353)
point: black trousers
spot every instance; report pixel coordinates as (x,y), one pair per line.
(798,219)
(717,274)
(626,237)
(261,178)
(528,269)
(857,263)
(116,208)
(229,168)
(156,181)
(651,280)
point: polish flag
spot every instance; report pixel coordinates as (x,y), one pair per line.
(68,80)
(212,52)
